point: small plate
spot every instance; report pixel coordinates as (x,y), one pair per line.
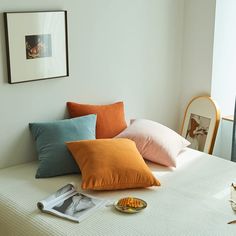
(128,209)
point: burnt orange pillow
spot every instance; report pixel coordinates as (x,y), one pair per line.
(109,164)
(110,118)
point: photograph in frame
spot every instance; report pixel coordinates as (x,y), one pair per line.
(197,131)
(37,45)
(200,123)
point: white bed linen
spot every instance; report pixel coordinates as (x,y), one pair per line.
(193,200)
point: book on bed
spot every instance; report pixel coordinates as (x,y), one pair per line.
(70,204)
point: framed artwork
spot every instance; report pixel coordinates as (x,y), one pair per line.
(37,45)
(200,124)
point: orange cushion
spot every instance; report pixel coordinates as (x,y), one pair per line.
(110,118)
(109,164)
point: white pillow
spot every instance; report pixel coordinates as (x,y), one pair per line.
(155,141)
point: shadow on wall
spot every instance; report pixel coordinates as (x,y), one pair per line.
(21,149)
(3,56)
(223,143)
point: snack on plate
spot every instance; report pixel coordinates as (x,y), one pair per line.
(130,202)
(130,205)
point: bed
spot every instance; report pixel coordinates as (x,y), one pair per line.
(193,200)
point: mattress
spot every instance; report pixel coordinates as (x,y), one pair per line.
(193,200)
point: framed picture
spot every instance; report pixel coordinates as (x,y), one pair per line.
(200,124)
(37,45)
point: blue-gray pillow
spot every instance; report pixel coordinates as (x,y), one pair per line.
(50,137)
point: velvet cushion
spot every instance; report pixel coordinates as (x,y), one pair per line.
(110,118)
(155,141)
(109,164)
(50,137)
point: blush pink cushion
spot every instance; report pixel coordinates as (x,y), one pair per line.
(154,141)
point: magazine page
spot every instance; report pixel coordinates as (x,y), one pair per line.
(57,196)
(71,204)
(78,206)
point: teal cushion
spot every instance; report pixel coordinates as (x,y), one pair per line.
(50,138)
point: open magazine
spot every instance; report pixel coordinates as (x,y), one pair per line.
(70,204)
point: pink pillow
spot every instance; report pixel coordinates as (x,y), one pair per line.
(154,141)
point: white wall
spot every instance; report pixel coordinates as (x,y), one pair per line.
(224,62)
(224,72)
(223,144)
(126,50)
(199,18)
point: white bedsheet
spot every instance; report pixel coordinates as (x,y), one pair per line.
(193,200)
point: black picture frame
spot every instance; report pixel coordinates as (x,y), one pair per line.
(36,45)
